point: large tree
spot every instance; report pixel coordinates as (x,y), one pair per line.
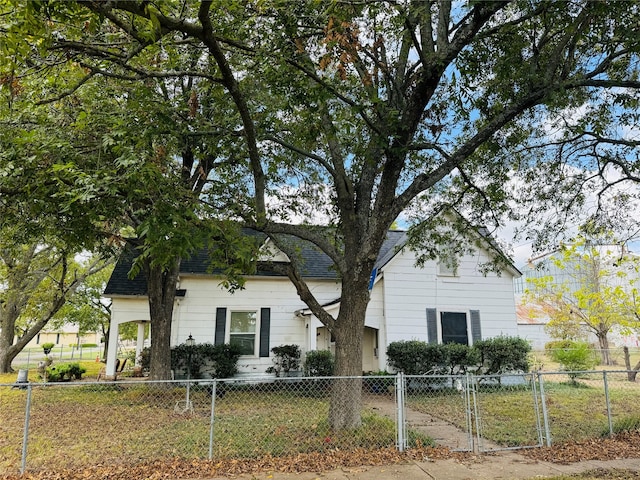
(37,280)
(362,110)
(124,158)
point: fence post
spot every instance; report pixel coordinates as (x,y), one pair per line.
(545,414)
(536,408)
(25,436)
(477,447)
(213,416)
(607,401)
(400,410)
(467,402)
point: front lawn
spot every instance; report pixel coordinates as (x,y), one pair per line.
(75,425)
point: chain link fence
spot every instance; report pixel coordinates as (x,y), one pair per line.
(71,425)
(583,405)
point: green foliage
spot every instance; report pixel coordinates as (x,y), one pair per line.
(503,354)
(340,99)
(414,357)
(549,347)
(318,363)
(587,287)
(458,357)
(629,423)
(215,361)
(86,307)
(287,358)
(65,372)
(47,347)
(574,357)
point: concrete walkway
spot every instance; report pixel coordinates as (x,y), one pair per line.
(505,465)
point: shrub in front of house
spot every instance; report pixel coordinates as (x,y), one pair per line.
(503,354)
(286,359)
(205,359)
(145,358)
(318,363)
(492,356)
(414,357)
(459,357)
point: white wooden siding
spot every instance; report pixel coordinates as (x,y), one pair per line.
(397,309)
(409,291)
(197,311)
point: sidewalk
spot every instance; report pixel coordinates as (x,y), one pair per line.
(504,465)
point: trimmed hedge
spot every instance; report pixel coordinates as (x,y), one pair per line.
(491,356)
(414,357)
(503,354)
(214,361)
(318,363)
(65,372)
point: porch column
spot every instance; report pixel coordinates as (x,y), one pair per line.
(311,335)
(139,342)
(112,351)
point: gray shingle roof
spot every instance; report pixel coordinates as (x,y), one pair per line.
(315,264)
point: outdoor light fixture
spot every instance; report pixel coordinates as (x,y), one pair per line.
(188,407)
(189,342)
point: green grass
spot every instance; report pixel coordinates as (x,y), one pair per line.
(575,410)
(93,369)
(74,426)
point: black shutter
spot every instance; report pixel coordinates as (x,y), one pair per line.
(265,326)
(432,325)
(221,323)
(476,332)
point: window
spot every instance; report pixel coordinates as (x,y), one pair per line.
(244,328)
(446,270)
(242,332)
(454,327)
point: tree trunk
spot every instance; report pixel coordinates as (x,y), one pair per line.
(161,291)
(105,334)
(631,372)
(346,394)
(603,341)
(8,351)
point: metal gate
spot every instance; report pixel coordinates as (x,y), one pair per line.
(470,412)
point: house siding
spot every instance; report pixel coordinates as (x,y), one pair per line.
(409,291)
(195,313)
(400,298)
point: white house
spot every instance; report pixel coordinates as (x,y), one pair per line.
(431,303)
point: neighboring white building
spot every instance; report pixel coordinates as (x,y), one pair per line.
(66,335)
(407,302)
